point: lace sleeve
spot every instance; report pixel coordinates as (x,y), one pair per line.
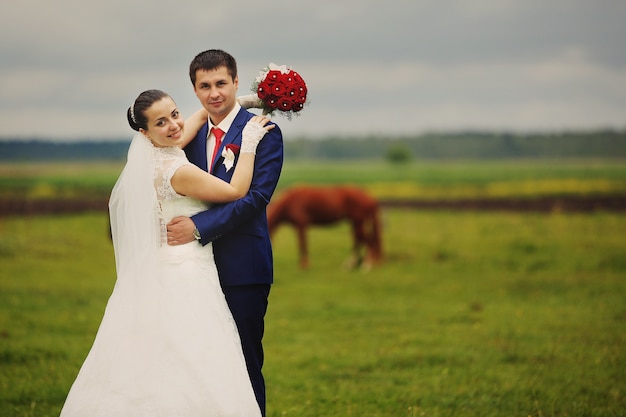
(168,161)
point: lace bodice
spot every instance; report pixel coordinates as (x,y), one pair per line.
(172,204)
(167,161)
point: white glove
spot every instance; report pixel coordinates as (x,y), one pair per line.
(251,136)
(251,101)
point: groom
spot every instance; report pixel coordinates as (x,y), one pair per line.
(238,230)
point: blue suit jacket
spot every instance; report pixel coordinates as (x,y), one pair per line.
(238,230)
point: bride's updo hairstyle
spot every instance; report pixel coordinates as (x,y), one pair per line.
(136,113)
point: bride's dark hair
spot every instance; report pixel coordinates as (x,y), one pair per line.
(136,113)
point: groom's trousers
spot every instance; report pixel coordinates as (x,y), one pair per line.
(248,305)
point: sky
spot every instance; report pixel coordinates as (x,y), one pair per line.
(70,68)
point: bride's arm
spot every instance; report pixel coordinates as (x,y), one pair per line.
(193,125)
(199,118)
(194,182)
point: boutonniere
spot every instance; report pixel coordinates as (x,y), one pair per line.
(228,153)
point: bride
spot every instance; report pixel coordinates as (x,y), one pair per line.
(167,344)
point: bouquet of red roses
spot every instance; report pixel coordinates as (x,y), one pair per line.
(280,88)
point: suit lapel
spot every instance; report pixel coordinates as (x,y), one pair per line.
(196,149)
(233,135)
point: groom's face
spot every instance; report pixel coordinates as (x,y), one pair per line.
(217,92)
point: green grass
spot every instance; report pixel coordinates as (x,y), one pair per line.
(472,314)
(467,179)
(417,180)
(56,275)
(55,179)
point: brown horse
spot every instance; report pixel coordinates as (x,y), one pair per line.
(304,206)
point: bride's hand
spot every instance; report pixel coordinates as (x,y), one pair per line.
(253,132)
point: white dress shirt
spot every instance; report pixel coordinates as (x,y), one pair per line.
(224,125)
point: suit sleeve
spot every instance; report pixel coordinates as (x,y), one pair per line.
(222,219)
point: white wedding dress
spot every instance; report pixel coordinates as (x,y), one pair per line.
(167,345)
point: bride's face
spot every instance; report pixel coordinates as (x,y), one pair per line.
(165,123)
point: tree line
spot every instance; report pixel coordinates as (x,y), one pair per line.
(463,145)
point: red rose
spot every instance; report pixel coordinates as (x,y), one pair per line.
(300,95)
(233,148)
(279,89)
(264,90)
(291,92)
(289,80)
(273,75)
(271,102)
(285,104)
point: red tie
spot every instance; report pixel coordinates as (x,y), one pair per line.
(218,133)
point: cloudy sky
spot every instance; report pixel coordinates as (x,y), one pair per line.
(70,68)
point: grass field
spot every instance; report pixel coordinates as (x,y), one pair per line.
(418,180)
(472,314)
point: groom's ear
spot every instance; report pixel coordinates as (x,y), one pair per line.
(236,82)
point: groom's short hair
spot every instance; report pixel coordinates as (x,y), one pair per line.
(210,60)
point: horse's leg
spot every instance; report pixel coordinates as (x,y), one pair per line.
(302,244)
(369,241)
(375,237)
(358,236)
(371,238)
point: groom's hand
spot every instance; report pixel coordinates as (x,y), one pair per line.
(180,231)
